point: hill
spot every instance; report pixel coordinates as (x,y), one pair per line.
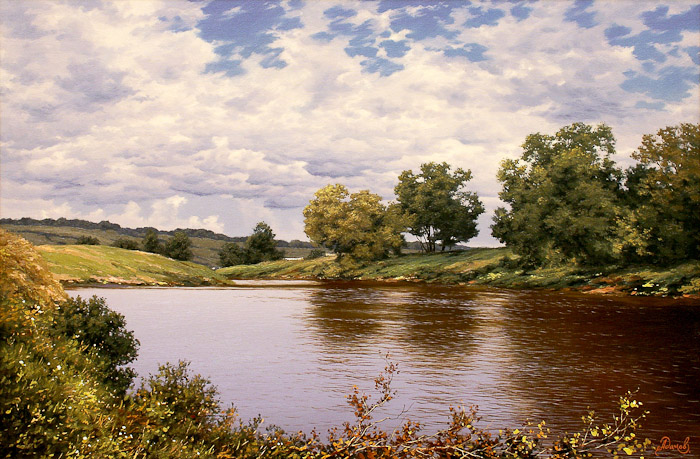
(109,265)
(205,243)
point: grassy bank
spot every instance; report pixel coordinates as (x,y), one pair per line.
(488,266)
(85,264)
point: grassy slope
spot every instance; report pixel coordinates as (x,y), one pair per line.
(489,267)
(102,264)
(205,250)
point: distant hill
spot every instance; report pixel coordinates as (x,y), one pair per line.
(62,231)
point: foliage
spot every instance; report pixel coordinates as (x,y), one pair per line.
(436,206)
(151,243)
(126,243)
(103,334)
(315,253)
(260,246)
(663,223)
(178,247)
(563,196)
(24,274)
(232,254)
(87,240)
(355,225)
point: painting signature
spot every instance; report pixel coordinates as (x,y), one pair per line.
(668,445)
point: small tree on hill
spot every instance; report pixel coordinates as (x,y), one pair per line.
(261,246)
(88,240)
(231,254)
(125,243)
(151,243)
(178,247)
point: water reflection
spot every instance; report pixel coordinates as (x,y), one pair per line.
(292,353)
(431,324)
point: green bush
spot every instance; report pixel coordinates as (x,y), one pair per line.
(315,253)
(103,334)
(87,240)
(126,243)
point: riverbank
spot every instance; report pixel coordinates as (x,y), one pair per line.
(489,267)
(98,264)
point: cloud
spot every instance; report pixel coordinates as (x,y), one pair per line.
(102,116)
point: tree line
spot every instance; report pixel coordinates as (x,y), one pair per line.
(566,200)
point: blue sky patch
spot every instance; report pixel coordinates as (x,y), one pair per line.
(580,15)
(672,85)
(395,48)
(428,22)
(246,28)
(472,51)
(383,67)
(658,106)
(521,12)
(481,17)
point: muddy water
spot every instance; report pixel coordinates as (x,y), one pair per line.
(292,351)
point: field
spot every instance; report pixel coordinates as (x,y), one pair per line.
(205,249)
(84,264)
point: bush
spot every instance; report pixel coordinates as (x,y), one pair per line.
(87,240)
(314,254)
(103,334)
(125,243)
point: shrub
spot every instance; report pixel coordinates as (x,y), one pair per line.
(126,243)
(87,240)
(314,254)
(103,334)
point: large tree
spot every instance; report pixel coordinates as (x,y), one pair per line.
(563,197)
(357,225)
(436,206)
(663,223)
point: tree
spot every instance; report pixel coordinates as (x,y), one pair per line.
(563,196)
(663,223)
(178,247)
(125,243)
(261,246)
(88,240)
(151,243)
(102,331)
(357,225)
(232,254)
(436,206)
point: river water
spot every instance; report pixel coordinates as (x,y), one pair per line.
(291,351)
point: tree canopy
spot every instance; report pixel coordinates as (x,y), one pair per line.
(563,197)
(357,225)
(178,247)
(663,222)
(436,207)
(151,243)
(259,246)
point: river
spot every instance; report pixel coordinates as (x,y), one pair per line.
(291,351)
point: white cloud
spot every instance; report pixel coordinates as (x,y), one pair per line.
(109,109)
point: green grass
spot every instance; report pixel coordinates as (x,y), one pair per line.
(102,264)
(205,251)
(487,266)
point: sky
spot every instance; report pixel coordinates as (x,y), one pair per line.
(221,114)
